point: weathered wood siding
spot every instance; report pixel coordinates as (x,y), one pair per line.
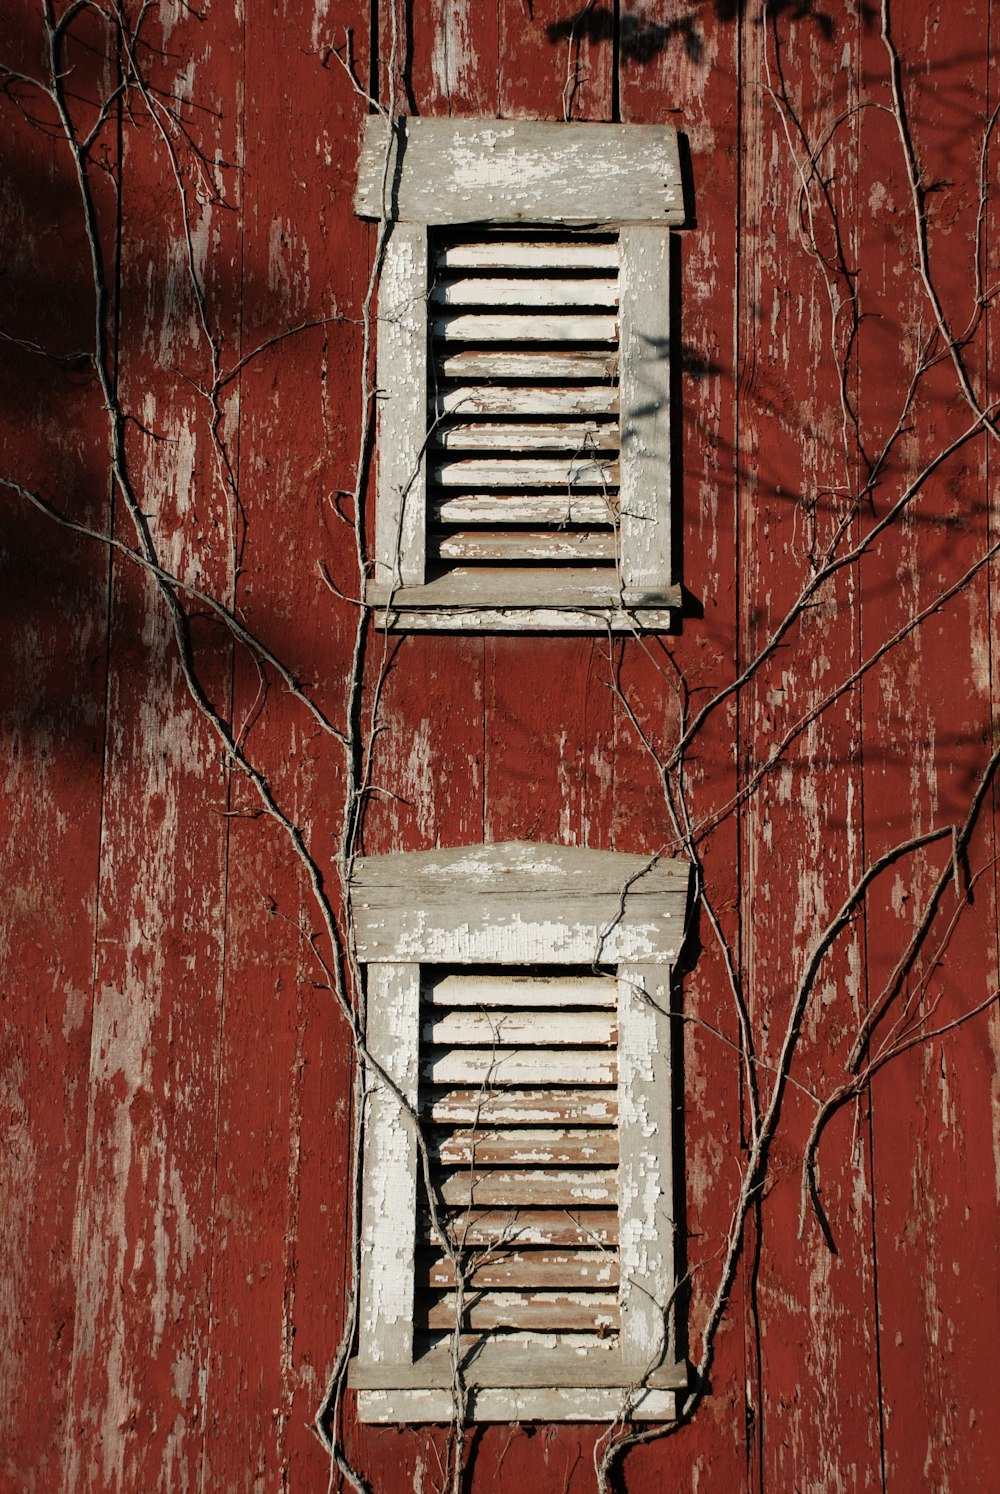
(176,1082)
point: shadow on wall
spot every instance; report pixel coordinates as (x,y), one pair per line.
(640,37)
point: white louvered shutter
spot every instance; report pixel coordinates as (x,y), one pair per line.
(519,1100)
(523,450)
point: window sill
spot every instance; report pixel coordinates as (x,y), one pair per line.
(517,1386)
(575,600)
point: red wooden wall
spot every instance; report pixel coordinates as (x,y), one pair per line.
(176,1095)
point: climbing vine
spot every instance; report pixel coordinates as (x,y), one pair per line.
(92,118)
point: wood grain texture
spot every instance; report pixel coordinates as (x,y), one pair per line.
(53,648)
(932,1135)
(401,498)
(282,1181)
(143,1231)
(812,1316)
(504,171)
(694,63)
(176,1081)
(518,903)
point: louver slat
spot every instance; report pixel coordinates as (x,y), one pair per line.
(581,1311)
(491,363)
(494,254)
(524,400)
(523,1152)
(500,1066)
(563,435)
(519,1269)
(518,327)
(501,291)
(526,546)
(537,992)
(500,472)
(486,1228)
(528,1147)
(556,510)
(488,399)
(515,1028)
(524,1107)
(530,1187)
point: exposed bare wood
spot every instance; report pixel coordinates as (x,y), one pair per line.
(502,1066)
(538,364)
(593,1107)
(388,1227)
(539,1310)
(491,399)
(509,1029)
(391,1406)
(564,435)
(647,1214)
(528,1147)
(523,1359)
(495,290)
(520,1269)
(556,1226)
(531,1188)
(496,327)
(402,424)
(522,508)
(603,618)
(518,547)
(646,519)
(480,988)
(479,170)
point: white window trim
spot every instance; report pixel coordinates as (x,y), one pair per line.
(519,904)
(434,172)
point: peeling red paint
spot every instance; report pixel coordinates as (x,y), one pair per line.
(176,1084)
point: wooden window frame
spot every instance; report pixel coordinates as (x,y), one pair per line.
(427,173)
(519,904)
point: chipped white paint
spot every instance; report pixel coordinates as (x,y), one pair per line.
(645,1200)
(419,895)
(475,170)
(519,904)
(403,934)
(460,618)
(388,1219)
(645,522)
(516,1405)
(401,496)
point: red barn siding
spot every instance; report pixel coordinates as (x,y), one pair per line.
(177,1079)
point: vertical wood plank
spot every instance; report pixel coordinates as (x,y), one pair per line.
(926,707)
(53,657)
(557,60)
(685,66)
(811,1319)
(446,53)
(281,1248)
(142,1234)
(429,758)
